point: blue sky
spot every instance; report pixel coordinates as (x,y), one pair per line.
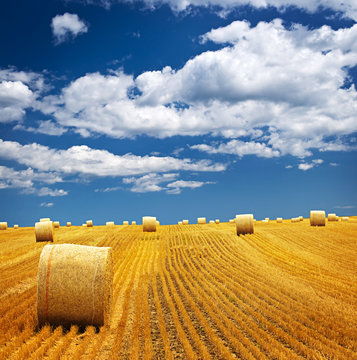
(116,109)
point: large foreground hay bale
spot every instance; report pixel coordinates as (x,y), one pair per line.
(279,220)
(201,220)
(332,217)
(56,224)
(244,224)
(44,231)
(149,223)
(317,218)
(185,222)
(74,285)
(3,225)
(69,224)
(89,223)
(45,219)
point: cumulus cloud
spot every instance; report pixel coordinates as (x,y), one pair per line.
(66,26)
(161,182)
(47,127)
(283,88)
(307,166)
(347,7)
(86,161)
(46,204)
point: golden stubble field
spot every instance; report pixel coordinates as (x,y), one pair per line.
(197,292)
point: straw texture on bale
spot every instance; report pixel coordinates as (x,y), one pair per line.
(16,226)
(74,285)
(69,224)
(185,222)
(279,220)
(89,223)
(201,220)
(3,225)
(217,221)
(45,219)
(332,217)
(149,223)
(317,218)
(133,223)
(56,224)
(344,218)
(44,231)
(125,222)
(109,223)
(244,224)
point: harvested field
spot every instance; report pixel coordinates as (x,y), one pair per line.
(288,291)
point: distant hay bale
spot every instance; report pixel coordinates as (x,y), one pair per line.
(16,226)
(44,231)
(109,223)
(201,220)
(185,222)
(294,220)
(211,221)
(56,224)
(157,222)
(344,218)
(267,219)
(279,220)
(217,221)
(231,220)
(45,219)
(74,285)
(301,218)
(149,223)
(3,225)
(125,222)
(317,218)
(179,223)
(85,225)
(89,223)
(133,223)
(332,217)
(244,224)
(69,224)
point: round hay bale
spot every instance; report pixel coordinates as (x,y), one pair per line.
(69,224)
(332,217)
(56,224)
(344,218)
(185,222)
(211,222)
(301,218)
(267,219)
(149,223)
(85,225)
(201,220)
(231,220)
(109,223)
(74,285)
(16,226)
(45,219)
(217,221)
(317,218)
(294,220)
(244,224)
(279,220)
(89,223)
(125,222)
(44,231)
(179,223)
(133,223)
(157,222)
(3,225)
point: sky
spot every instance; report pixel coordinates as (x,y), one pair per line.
(112,110)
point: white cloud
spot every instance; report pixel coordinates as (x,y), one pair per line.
(334,164)
(94,162)
(47,127)
(177,186)
(109,189)
(344,207)
(240,148)
(66,26)
(45,204)
(346,7)
(288,167)
(307,166)
(285,84)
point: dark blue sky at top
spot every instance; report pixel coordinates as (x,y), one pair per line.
(137,40)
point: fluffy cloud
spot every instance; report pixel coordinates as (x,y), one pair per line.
(47,127)
(287,89)
(157,182)
(86,161)
(44,204)
(66,26)
(346,7)
(307,166)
